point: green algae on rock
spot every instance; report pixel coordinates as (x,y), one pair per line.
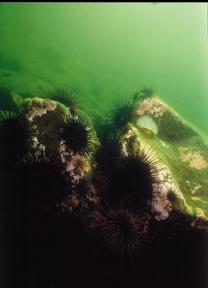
(181,148)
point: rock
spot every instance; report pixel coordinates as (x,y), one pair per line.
(181,148)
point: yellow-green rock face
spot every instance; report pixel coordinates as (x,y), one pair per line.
(181,148)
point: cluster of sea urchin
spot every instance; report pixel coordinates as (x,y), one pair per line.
(122,226)
(125,183)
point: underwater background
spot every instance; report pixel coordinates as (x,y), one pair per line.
(106,51)
(103,145)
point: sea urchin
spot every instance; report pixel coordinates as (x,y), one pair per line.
(122,114)
(131,183)
(79,135)
(119,231)
(65,97)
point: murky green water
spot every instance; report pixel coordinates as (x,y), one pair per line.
(107,51)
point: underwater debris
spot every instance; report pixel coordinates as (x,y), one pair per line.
(194,158)
(147,125)
(119,231)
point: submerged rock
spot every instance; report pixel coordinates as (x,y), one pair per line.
(181,148)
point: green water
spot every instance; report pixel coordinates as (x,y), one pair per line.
(106,52)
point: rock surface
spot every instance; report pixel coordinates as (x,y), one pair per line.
(183,151)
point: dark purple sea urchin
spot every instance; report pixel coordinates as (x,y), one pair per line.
(79,135)
(120,231)
(131,183)
(122,114)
